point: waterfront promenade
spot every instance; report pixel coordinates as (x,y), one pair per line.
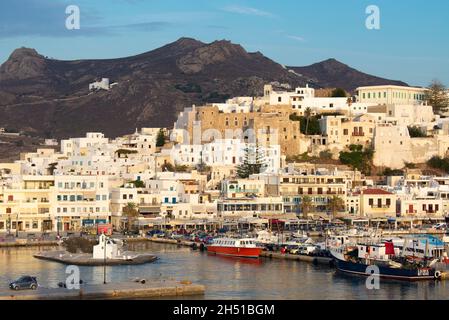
(122,290)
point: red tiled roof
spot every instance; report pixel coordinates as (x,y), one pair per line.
(375,191)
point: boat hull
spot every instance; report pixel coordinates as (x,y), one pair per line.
(386,272)
(235,251)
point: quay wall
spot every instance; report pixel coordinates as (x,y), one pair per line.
(110,292)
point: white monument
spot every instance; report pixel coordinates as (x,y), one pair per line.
(106,248)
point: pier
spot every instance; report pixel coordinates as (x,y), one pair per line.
(83,259)
(25,243)
(110,291)
(285,256)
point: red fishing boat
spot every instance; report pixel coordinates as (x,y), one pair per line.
(245,248)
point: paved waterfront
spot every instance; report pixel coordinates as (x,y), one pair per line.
(224,278)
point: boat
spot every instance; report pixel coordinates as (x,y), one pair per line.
(243,248)
(357,260)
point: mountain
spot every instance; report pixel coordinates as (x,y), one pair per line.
(332,73)
(50,98)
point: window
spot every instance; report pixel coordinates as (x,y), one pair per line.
(371,202)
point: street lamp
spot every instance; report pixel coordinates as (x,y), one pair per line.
(9,224)
(104,264)
(58,219)
(17,225)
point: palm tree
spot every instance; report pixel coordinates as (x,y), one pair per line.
(307,115)
(306,206)
(131,213)
(335,204)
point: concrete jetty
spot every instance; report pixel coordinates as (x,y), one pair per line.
(25,243)
(85,259)
(110,291)
(310,259)
(183,243)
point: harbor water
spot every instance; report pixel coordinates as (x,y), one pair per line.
(224,278)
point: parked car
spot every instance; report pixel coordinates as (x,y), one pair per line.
(292,249)
(440,226)
(25,282)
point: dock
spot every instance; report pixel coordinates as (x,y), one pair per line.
(183,243)
(315,260)
(25,243)
(110,291)
(85,259)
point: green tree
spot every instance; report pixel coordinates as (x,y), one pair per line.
(335,204)
(416,132)
(138,183)
(253,161)
(437,97)
(338,93)
(131,214)
(357,158)
(439,163)
(52,167)
(307,115)
(306,206)
(160,139)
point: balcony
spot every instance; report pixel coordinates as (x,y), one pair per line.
(380,207)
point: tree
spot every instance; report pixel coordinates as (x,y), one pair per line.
(253,162)
(306,206)
(335,204)
(416,132)
(131,213)
(160,140)
(437,97)
(138,183)
(338,93)
(307,115)
(358,158)
(437,162)
(52,167)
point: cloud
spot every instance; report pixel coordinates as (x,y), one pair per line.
(297,38)
(46,18)
(247,11)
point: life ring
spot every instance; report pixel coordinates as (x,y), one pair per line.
(437,274)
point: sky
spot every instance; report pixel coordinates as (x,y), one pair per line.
(411,45)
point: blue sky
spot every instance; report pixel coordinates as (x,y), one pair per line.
(412,44)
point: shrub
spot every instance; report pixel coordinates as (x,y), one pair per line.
(74,245)
(416,132)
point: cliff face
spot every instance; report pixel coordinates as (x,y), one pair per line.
(50,97)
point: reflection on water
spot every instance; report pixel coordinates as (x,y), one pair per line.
(224,277)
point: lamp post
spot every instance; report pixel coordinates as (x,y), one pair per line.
(58,219)
(9,224)
(88,227)
(104,264)
(17,225)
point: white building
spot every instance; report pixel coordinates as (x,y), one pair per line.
(390,94)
